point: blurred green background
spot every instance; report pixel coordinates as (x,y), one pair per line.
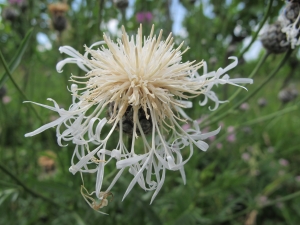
(249,175)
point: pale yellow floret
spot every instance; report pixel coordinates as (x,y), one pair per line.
(145,73)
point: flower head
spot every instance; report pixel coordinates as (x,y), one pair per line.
(58,11)
(288,94)
(273,39)
(10,14)
(121,4)
(290,22)
(144,87)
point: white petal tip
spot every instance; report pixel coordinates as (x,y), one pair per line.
(73,170)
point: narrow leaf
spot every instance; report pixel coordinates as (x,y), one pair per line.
(18,56)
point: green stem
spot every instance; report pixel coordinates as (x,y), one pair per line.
(282,199)
(276,114)
(101,7)
(259,28)
(18,56)
(129,142)
(218,118)
(123,13)
(250,208)
(258,65)
(288,78)
(16,85)
(272,115)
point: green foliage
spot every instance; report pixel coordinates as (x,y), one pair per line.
(256,176)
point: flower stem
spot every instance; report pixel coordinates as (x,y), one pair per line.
(129,142)
(276,114)
(218,118)
(18,56)
(258,30)
(256,207)
(16,85)
(283,199)
(101,9)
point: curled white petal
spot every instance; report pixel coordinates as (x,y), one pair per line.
(139,87)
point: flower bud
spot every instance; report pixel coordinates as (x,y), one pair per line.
(274,40)
(262,102)
(288,94)
(291,11)
(59,20)
(10,14)
(121,4)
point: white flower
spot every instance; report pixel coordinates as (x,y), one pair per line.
(145,87)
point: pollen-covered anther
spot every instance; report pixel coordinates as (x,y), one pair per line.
(95,160)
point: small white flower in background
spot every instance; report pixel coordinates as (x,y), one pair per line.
(142,86)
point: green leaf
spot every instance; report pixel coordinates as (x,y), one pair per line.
(18,56)
(4,194)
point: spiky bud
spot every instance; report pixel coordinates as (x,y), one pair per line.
(274,40)
(121,4)
(59,20)
(288,94)
(10,14)
(291,11)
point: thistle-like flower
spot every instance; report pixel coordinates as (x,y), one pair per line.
(290,22)
(273,39)
(58,11)
(121,4)
(139,88)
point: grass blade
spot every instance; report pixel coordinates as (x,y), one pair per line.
(17,58)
